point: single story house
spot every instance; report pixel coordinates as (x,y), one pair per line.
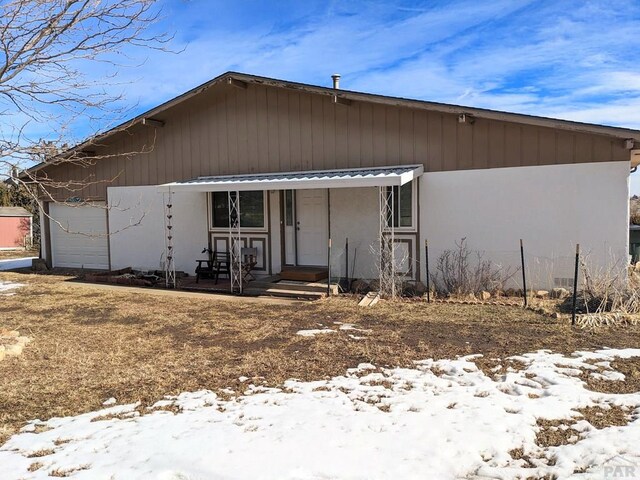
(283,167)
(16,228)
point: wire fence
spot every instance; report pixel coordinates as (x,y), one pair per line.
(477,269)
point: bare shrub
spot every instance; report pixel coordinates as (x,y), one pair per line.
(463,271)
(634,210)
(390,280)
(609,296)
(609,289)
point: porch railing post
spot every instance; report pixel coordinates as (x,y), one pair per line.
(169,264)
(386,264)
(392,258)
(235,242)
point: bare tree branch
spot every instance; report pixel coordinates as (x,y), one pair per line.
(47,49)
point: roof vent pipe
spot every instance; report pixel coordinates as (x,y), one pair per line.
(336,80)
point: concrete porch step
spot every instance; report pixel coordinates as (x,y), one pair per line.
(283,292)
(270,286)
(293,285)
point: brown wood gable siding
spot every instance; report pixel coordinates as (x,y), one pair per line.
(228,130)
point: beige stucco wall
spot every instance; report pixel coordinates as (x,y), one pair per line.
(136,223)
(354,215)
(552,208)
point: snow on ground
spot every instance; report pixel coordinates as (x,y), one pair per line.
(341,326)
(314,331)
(7,287)
(440,420)
(14,263)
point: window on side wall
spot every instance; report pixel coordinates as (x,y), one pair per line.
(402,206)
(288,208)
(251,209)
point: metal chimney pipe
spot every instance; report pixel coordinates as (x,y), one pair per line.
(336,81)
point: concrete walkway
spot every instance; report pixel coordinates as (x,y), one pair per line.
(14,263)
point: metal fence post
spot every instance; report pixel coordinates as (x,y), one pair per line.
(575,286)
(524,274)
(426,261)
(329,269)
(346,262)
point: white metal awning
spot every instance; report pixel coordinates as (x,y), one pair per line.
(344,178)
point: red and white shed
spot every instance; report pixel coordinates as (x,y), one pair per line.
(16,227)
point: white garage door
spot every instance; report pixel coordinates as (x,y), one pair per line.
(87,249)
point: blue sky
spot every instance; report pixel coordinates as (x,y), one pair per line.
(568,59)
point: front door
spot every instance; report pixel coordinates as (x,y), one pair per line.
(312,225)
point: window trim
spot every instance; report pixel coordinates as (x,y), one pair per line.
(265,206)
(414,210)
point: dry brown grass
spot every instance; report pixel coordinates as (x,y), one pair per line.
(40,453)
(91,344)
(602,416)
(556,432)
(553,433)
(58,472)
(9,254)
(629,367)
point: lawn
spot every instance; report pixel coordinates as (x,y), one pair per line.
(21,253)
(91,344)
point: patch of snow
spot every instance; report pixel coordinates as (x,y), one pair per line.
(31,426)
(313,332)
(441,419)
(161,404)
(361,368)
(608,375)
(243,379)
(109,401)
(7,286)
(350,326)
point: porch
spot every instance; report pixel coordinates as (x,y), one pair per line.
(295,223)
(272,285)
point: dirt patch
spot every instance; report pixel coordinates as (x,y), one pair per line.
(35,466)
(602,416)
(91,344)
(493,367)
(629,367)
(67,472)
(556,432)
(519,454)
(387,384)
(40,453)
(553,433)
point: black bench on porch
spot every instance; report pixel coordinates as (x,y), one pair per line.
(218,263)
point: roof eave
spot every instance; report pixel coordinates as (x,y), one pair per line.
(616,132)
(569,125)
